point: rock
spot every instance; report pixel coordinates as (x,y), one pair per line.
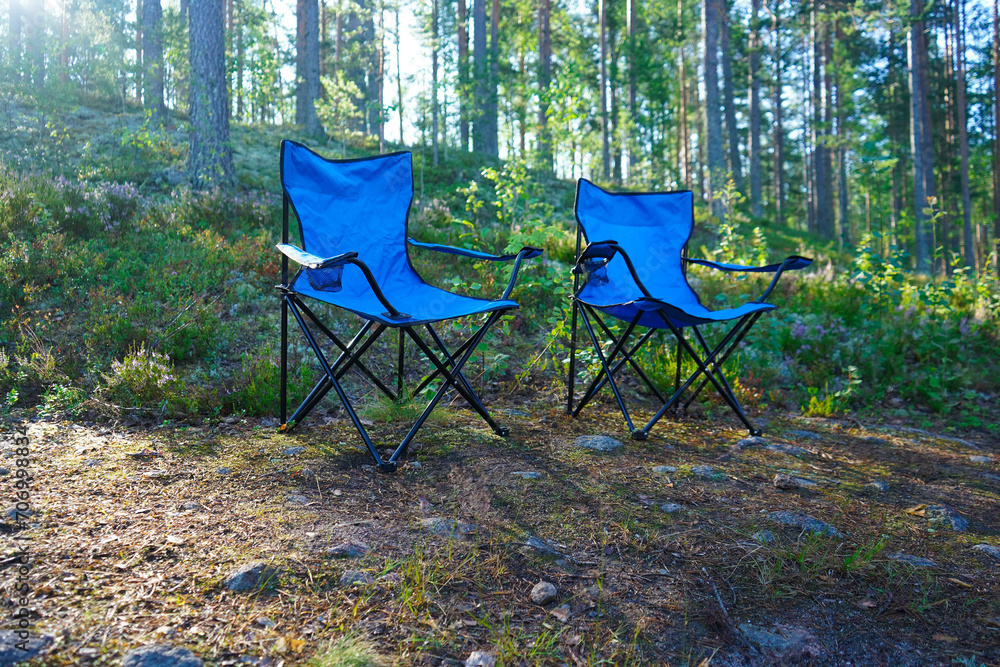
(264,622)
(391,579)
(705,472)
(347,550)
(803,522)
(562,612)
(296,498)
(909,559)
(93,463)
(190,505)
(808,435)
(480,659)
(764,536)
(448,527)
(515,413)
(541,546)
(251,577)
(787,645)
(879,485)
(13,513)
(524,474)
(10,654)
(670,508)
(223,471)
(267,422)
(981,459)
(307,475)
(351,577)
(663,470)
(292,451)
(989,550)
(787,482)
(946,517)
(783,448)
(543,592)
(752,441)
(4,471)
(872,440)
(598,443)
(415,465)
(161,655)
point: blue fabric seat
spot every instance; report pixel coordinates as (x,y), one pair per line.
(352,217)
(633,269)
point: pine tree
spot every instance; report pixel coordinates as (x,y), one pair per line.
(210,160)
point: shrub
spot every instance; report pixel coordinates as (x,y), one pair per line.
(143,379)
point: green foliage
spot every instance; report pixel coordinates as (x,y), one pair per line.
(143,379)
(348,651)
(337,109)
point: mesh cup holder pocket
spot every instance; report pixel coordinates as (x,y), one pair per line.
(326,280)
(595,271)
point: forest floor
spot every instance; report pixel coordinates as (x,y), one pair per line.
(670,551)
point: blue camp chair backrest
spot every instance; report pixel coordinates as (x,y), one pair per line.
(652,228)
(352,205)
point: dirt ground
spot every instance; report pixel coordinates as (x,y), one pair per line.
(661,552)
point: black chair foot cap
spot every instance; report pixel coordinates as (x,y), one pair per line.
(388,467)
(639,435)
(503,431)
(756,432)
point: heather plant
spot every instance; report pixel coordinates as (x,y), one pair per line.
(143,379)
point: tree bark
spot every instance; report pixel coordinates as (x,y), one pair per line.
(210,160)
(434,82)
(996,134)
(463,75)
(15,17)
(756,209)
(615,109)
(712,113)
(381,77)
(307,66)
(152,60)
(482,69)
(779,132)
(735,165)
(544,80)
(842,194)
(923,168)
(602,10)
(36,45)
(821,113)
(963,136)
(493,132)
(682,124)
(399,81)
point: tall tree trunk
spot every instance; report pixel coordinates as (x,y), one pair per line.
(434,82)
(307,66)
(923,168)
(779,132)
(381,76)
(241,52)
(712,113)
(963,136)
(544,80)
(615,110)
(682,124)
(481,123)
(808,130)
(15,17)
(463,75)
(152,59)
(602,17)
(630,142)
(493,133)
(36,44)
(735,165)
(399,81)
(842,195)
(210,160)
(139,70)
(756,209)
(821,111)
(996,135)
(64,40)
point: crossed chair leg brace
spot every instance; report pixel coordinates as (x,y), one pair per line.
(710,366)
(449,366)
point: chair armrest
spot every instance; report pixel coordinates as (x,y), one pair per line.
(475,254)
(312,262)
(793,262)
(526,252)
(603,252)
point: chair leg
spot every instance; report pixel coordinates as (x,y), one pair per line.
(722,360)
(628,355)
(571,380)
(283,392)
(399,365)
(729,395)
(607,371)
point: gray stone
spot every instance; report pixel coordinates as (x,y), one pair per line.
(415,465)
(981,459)
(909,559)
(752,441)
(224,471)
(786,645)
(391,579)
(808,435)
(879,485)
(347,550)
(296,498)
(541,546)
(803,522)
(251,577)
(598,443)
(764,536)
(663,470)
(190,505)
(989,550)
(93,463)
(4,471)
(670,508)
(448,527)
(525,474)
(307,474)
(783,448)
(161,655)
(872,440)
(12,513)
(543,593)
(292,451)
(351,577)
(480,659)
(705,472)
(515,413)
(10,654)
(942,516)
(787,482)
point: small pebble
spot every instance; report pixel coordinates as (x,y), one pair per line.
(879,485)
(292,451)
(480,659)
(296,498)
(909,559)
(351,577)
(524,474)
(670,508)
(989,550)
(787,482)
(980,459)
(662,470)
(543,592)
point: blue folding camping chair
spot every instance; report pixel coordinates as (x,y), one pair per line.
(640,278)
(353,224)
